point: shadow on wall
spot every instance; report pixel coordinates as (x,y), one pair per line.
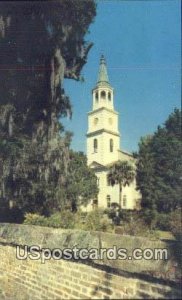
(103,287)
(109,287)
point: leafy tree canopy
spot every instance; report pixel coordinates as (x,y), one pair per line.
(41,43)
(82,183)
(159,166)
(122,173)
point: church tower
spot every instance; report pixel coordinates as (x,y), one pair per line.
(103,138)
(103,146)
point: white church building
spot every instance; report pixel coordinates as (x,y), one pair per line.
(103,146)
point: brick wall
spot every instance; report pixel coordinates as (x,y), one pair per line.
(61,279)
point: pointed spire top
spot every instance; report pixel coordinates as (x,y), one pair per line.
(103,76)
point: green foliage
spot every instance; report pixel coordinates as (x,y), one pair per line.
(163,222)
(139,223)
(132,223)
(93,220)
(121,173)
(150,217)
(32,178)
(82,183)
(135,224)
(159,167)
(34,149)
(65,219)
(122,216)
(39,59)
(128,215)
(135,228)
(111,213)
(176,224)
(145,173)
(38,184)
(35,219)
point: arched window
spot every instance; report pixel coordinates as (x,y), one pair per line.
(103,95)
(96,96)
(124,201)
(95,145)
(109,96)
(108,201)
(111,145)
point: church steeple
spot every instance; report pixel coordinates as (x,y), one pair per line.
(103,92)
(103,145)
(102,76)
(103,138)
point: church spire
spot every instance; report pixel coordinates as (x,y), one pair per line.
(103,91)
(103,76)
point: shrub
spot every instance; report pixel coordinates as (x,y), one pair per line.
(106,226)
(122,215)
(114,213)
(162,222)
(135,228)
(116,220)
(80,219)
(111,213)
(63,219)
(150,217)
(95,221)
(35,219)
(92,221)
(129,215)
(106,211)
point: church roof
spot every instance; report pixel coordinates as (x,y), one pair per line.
(103,79)
(126,153)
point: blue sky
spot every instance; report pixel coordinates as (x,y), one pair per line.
(141,43)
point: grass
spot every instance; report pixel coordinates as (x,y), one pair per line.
(165,235)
